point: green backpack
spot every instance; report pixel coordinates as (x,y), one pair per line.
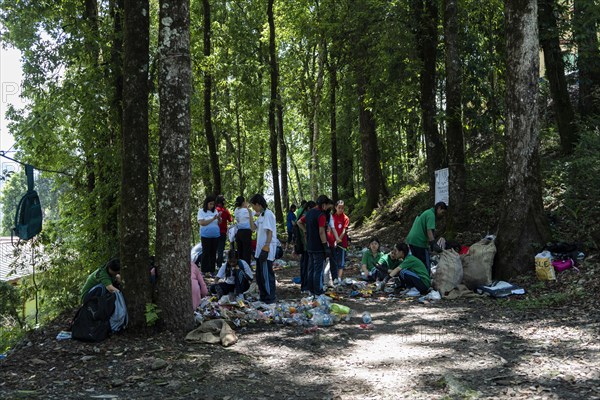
(28,219)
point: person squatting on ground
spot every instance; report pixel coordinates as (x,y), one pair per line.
(199,289)
(243,237)
(338,239)
(209,219)
(223,222)
(371,257)
(108,275)
(422,234)
(387,263)
(266,247)
(234,276)
(314,224)
(411,272)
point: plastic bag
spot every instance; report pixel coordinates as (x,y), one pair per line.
(543,266)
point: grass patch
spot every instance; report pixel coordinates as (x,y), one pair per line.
(546,300)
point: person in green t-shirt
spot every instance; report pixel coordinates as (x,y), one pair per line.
(108,275)
(411,272)
(421,238)
(387,263)
(371,257)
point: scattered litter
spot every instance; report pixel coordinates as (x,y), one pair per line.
(500,289)
(63,335)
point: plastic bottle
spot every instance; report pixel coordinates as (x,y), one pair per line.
(366,317)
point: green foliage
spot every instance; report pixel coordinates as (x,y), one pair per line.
(10,302)
(152,312)
(546,300)
(10,333)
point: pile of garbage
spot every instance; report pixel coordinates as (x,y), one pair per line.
(306,312)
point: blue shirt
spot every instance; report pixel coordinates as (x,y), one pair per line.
(291,217)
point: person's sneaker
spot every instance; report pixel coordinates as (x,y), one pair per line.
(413,292)
(240,297)
(379,285)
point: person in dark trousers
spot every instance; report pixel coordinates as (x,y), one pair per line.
(315,225)
(234,276)
(223,222)
(266,247)
(243,237)
(209,219)
(421,238)
(411,272)
(290,222)
(300,246)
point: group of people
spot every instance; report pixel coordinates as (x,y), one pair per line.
(409,263)
(251,216)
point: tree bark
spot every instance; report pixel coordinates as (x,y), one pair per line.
(285,197)
(135,161)
(522,225)
(555,72)
(208,127)
(333,130)
(454,130)
(585,34)
(272,106)
(173,227)
(427,36)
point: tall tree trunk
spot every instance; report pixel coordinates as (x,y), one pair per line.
(346,155)
(173,227)
(297,174)
(239,152)
(135,161)
(285,197)
(555,72)
(333,130)
(585,34)
(428,39)
(272,106)
(370,150)
(316,106)
(522,223)
(454,131)
(208,126)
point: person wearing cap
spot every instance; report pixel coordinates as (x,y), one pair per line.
(243,237)
(108,275)
(223,222)
(421,238)
(314,224)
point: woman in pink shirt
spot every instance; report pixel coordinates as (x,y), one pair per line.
(199,289)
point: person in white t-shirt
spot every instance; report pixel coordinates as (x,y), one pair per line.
(243,237)
(209,220)
(266,247)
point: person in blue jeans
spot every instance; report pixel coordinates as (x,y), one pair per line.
(314,224)
(266,247)
(411,272)
(290,222)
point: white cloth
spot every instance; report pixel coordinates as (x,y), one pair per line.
(212,229)
(242,218)
(266,222)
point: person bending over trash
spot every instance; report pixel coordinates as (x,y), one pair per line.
(108,275)
(235,275)
(387,263)
(421,238)
(411,272)
(371,257)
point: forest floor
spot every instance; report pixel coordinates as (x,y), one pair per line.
(543,345)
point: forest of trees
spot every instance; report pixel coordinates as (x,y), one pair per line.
(148,106)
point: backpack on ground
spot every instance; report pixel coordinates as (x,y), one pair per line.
(92,320)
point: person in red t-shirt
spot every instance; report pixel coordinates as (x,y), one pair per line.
(337,238)
(225,219)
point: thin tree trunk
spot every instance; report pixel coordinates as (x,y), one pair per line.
(333,130)
(585,32)
(285,197)
(316,133)
(239,152)
(346,155)
(297,174)
(173,229)
(208,127)
(555,72)
(454,131)
(135,161)
(434,147)
(272,106)
(522,224)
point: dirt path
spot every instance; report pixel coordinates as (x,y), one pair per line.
(466,348)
